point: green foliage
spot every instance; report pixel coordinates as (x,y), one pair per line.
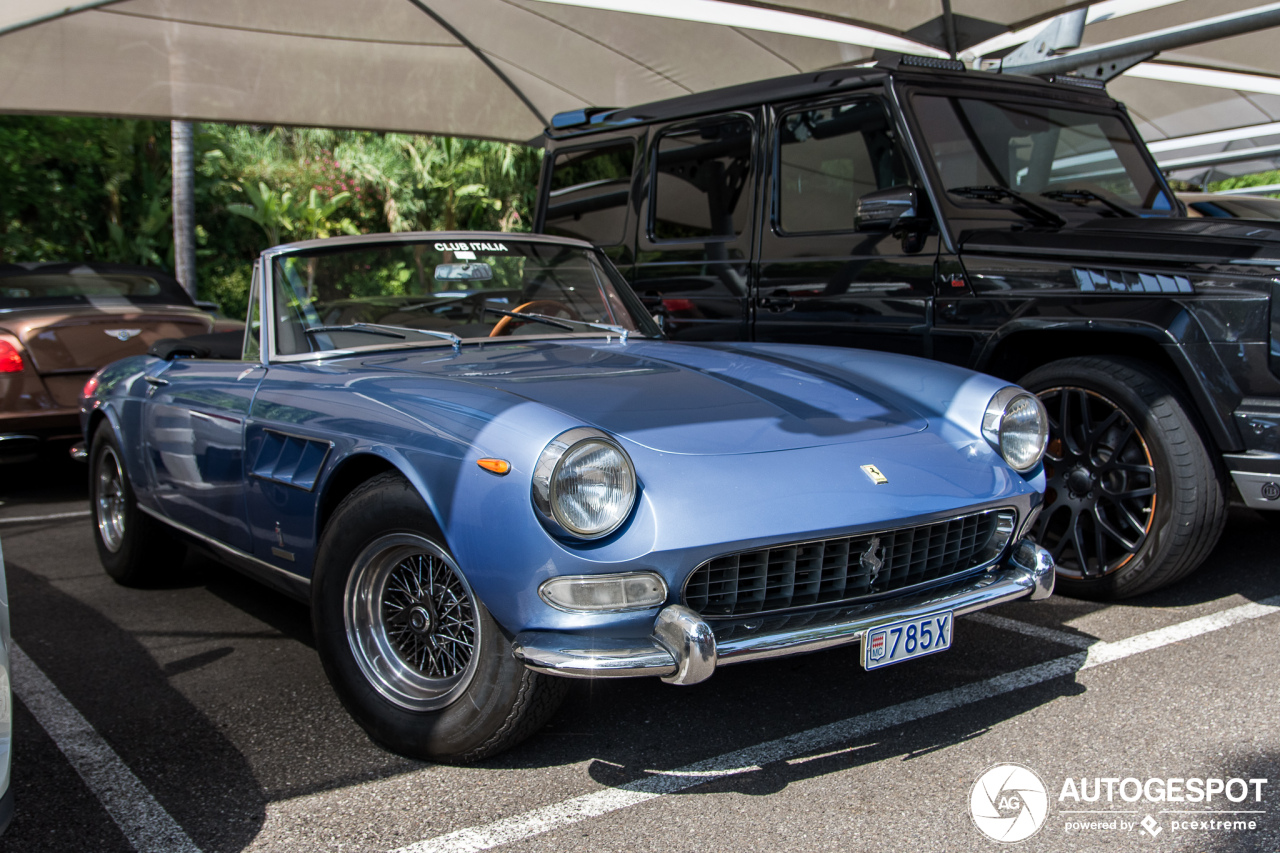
(83,189)
(1261,179)
(68,181)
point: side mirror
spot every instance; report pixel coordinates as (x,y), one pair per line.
(884,210)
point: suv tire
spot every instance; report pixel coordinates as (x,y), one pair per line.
(1134,500)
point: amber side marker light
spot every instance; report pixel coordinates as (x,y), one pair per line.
(497,466)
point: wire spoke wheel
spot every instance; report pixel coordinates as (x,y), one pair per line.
(411,622)
(1101,497)
(110,500)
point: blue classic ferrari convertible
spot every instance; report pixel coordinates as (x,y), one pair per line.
(476,459)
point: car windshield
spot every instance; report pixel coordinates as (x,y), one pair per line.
(23,288)
(379,294)
(1020,157)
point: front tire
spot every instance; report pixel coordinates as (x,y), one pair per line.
(409,648)
(134,548)
(1134,499)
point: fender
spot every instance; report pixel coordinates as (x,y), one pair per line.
(1206,380)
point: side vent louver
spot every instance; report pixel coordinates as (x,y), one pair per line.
(1114,281)
(290,460)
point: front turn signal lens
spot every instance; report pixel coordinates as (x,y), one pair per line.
(613,593)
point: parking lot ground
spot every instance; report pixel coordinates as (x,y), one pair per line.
(211,697)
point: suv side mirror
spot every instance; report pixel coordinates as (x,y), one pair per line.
(884,210)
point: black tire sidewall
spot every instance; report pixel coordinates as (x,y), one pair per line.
(1167,536)
(453,733)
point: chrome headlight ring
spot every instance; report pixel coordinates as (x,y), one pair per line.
(1017,426)
(584,484)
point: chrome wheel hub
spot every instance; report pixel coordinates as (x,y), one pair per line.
(109,500)
(411,622)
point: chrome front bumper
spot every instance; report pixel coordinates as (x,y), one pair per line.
(685,649)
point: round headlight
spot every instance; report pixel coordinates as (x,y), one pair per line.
(584,484)
(1016,424)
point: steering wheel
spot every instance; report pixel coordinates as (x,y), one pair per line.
(537,306)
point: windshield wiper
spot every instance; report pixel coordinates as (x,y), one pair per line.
(387,331)
(1086,196)
(560,322)
(996,194)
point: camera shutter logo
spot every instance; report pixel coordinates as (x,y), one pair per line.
(1008,803)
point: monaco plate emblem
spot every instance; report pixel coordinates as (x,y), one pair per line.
(875,649)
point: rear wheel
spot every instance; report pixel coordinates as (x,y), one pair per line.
(135,549)
(410,649)
(1134,499)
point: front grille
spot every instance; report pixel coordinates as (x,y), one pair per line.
(848,568)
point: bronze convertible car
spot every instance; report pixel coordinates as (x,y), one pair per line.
(59,322)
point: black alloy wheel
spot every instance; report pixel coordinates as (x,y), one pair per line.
(1134,500)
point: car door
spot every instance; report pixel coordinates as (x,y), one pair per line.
(694,240)
(821,280)
(194,417)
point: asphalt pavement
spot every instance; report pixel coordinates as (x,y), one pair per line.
(196,717)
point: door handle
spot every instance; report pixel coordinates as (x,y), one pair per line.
(777,303)
(156,381)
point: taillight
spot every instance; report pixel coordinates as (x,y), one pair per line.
(10,358)
(90,387)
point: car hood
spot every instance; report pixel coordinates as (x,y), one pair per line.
(690,399)
(1228,241)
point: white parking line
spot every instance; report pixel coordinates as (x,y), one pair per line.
(1053,635)
(577,809)
(24,519)
(145,823)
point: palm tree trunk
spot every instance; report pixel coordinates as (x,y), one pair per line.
(184,206)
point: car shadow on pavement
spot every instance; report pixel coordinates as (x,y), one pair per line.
(904,743)
(1242,764)
(200,778)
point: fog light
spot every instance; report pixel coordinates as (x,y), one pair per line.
(594,593)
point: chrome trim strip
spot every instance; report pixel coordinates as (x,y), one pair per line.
(273,576)
(681,652)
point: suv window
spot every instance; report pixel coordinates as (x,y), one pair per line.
(1036,148)
(589,191)
(829,158)
(701,175)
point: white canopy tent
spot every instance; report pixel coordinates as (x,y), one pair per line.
(501,68)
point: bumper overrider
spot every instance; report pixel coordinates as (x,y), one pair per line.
(685,648)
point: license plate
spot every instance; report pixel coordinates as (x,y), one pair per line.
(906,639)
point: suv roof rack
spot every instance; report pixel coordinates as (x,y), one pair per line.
(585,115)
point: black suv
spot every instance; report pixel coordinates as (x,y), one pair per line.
(1014,225)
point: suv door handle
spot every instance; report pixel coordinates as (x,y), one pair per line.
(777,303)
